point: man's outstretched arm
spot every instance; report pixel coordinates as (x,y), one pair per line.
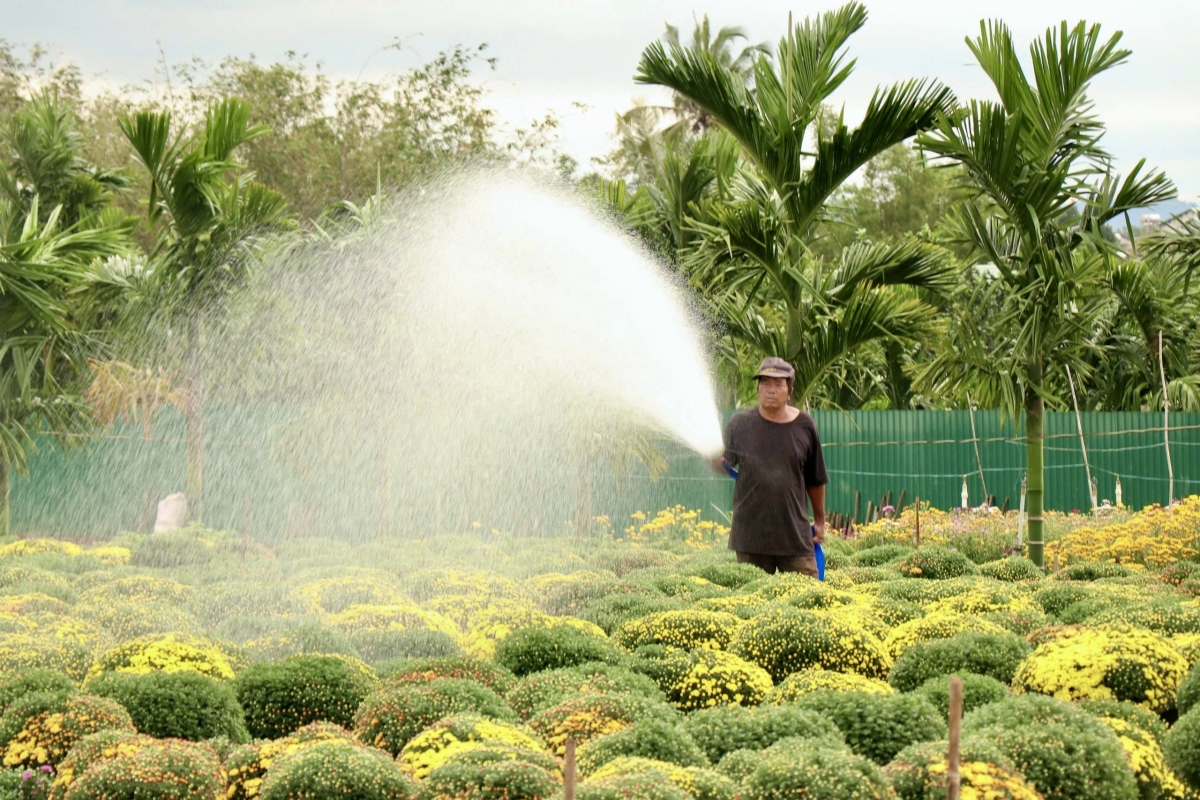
(816,496)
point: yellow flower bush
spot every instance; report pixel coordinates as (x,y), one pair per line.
(584,717)
(812,679)
(429,583)
(1114,663)
(786,640)
(93,748)
(399,617)
(704,678)
(124,620)
(676,525)
(494,623)
(51,724)
(139,589)
(1188,645)
(111,554)
(1154,777)
(985,599)
(941,625)
(246,766)
(684,629)
(336,594)
(980,780)
(22,651)
(453,735)
(36,547)
(696,781)
(1154,537)
(169,653)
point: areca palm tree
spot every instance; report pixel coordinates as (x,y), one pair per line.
(1029,161)
(754,258)
(722,47)
(211,216)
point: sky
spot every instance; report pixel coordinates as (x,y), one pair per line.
(554,54)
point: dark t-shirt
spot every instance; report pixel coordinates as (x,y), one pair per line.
(776,462)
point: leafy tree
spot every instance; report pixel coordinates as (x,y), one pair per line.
(1027,161)
(211,217)
(754,257)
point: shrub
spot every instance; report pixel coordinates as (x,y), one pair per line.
(703,678)
(722,730)
(1186,696)
(1129,712)
(977,691)
(996,655)
(648,785)
(166,770)
(22,651)
(180,705)
(281,697)
(375,647)
(535,649)
(788,640)
(729,574)
(168,653)
(543,690)
(896,612)
(818,774)
(424,670)
(93,749)
(32,681)
(41,728)
(936,563)
(683,629)
(493,779)
(1162,615)
(275,638)
(587,716)
(697,782)
(336,768)
(1013,568)
(935,625)
(615,610)
(430,749)
(812,680)
(879,555)
(246,765)
(1126,664)
(877,726)
(1067,762)
(170,549)
(656,739)
(1154,778)
(393,714)
(1058,597)
(1181,746)
(920,772)
(1092,571)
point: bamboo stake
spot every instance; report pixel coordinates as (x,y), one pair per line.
(917,535)
(569,771)
(1082,444)
(1166,424)
(953,778)
(975,441)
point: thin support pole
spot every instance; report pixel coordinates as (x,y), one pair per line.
(975,441)
(569,771)
(1082,444)
(917,533)
(1021,520)
(1162,371)
(953,777)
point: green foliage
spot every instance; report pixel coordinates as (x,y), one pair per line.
(879,555)
(181,705)
(423,670)
(171,549)
(542,690)
(1181,747)
(788,640)
(170,770)
(41,728)
(376,647)
(1188,694)
(613,611)
(978,690)
(992,654)
(1058,597)
(469,777)
(731,575)
(911,778)
(1093,571)
(336,768)
(1132,713)
(818,773)
(936,563)
(642,785)
(660,740)
(1020,710)
(394,713)
(723,729)
(1013,568)
(33,681)
(877,726)
(280,697)
(1067,762)
(539,648)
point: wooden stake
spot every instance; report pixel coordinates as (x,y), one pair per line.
(953,778)
(917,535)
(857,498)
(569,771)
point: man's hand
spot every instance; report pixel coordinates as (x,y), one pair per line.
(818,532)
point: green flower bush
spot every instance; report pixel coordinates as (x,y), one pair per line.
(92,749)
(424,670)
(1058,597)
(280,697)
(543,690)
(996,655)
(1093,571)
(703,678)
(650,785)
(920,772)
(877,726)
(1129,712)
(535,649)
(377,646)
(585,717)
(1186,696)
(32,681)
(1162,615)
(729,574)
(41,728)
(1013,568)
(437,744)
(1181,747)
(20,652)
(978,690)
(1067,762)
(787,640)
(180,705)
(812,680)
(936,563)
(721,730)
(470,777)
(684,629)
(245,766)
(656,739)
(880,554)
(613,611)
(168,769)
(818,773)
(336,768)
(698,783)
(393,714)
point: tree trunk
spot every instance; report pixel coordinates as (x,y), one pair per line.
(194,419)
(1035,485)
(5,498)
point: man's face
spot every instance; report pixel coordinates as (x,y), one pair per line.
(773,393)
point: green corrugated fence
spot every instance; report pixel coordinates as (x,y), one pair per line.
(99,490)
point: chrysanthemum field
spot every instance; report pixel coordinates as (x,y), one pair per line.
(202,664)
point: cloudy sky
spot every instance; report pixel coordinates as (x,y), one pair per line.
(555,53)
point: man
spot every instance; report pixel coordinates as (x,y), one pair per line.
(780,470)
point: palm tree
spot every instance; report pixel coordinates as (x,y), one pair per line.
(44,271)
(753,258)
(211,216)
(722,47)
(1029,161)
